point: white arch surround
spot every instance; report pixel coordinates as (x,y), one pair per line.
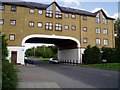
(69,54)
(50,36)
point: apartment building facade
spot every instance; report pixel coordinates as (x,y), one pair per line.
(72,30)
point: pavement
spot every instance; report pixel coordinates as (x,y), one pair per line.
(45,75)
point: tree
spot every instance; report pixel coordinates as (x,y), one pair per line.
(4,47)
(92,55)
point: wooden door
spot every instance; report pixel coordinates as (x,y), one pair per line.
(14,57)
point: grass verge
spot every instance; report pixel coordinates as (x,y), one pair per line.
(107,66)
(43,59)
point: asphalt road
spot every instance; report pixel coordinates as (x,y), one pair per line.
(66,76)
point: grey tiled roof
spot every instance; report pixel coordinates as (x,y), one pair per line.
(63,9)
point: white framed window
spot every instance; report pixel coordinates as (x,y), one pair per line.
(49,13)
(66,15)
(98,18)
(48,26)
(105,21)
(13,22)
(84,17)
(13,8)
(98,41)
(105,41)
(73,27)
(84,40)
(2,7)
(66,27)
(32,11)
(105,31)
(97,30)
(58,14)
(40,11)
(31,23)
(39,24)
(1,21)
(85,29)
(58,27)
(73,16)
(12,37)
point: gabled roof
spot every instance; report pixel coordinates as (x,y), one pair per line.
(63,9)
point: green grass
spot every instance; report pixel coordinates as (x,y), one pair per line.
(108,66)
(43,59)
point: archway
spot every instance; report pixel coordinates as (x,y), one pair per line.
(69,47)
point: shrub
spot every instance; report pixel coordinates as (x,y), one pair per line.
(92,55)
(9,75)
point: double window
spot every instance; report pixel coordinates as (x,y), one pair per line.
(1,21)
(105,41)
(2,7)
(48,26)
(58,14)
(58,27)
(97,30)
(49,13)
(13,22)
(105,31)
(98,41)
(31,23)
(13,8)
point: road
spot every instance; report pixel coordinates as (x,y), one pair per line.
(66,76)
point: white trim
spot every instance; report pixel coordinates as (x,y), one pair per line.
(50,36)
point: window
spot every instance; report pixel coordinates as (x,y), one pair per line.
(66,27)
(39,24)
(58,27)
(1,21)
(31,23)
(84,17)
(66,15)
(105,21)
(98,18)
(85,29)
(73,16)
(58,14)
(98,41)
(84,40)
(2,7)
(13,8)
(48,26)
(97,30)
(39,11)
(105,42)
(13,22)
(105,31)
(11,37)
(32,11)
(73,27)
(49,13)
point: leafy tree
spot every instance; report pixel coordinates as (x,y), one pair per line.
(4,47)
(92,55)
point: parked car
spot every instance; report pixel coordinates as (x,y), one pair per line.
(54,61)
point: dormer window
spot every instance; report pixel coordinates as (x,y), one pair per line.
(104,20)
(58,14)
(49,13)
(98,18)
